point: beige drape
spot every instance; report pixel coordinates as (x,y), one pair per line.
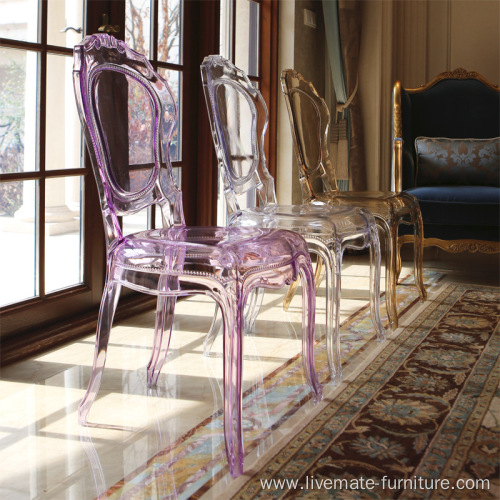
(350,36)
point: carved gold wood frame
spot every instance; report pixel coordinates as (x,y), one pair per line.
(456,246)
(453,246)
(397,138)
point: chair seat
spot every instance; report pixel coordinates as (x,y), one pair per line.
(459,205)
(381,203)
(225,252)
(320,221)
(365,194)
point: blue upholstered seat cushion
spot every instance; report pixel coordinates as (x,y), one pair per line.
(463,162)
(459,205)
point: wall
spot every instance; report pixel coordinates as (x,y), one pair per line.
(375,82)
(443,35)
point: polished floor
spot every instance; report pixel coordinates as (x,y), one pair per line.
(44,453)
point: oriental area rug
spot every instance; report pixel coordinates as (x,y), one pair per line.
(422,421)
(419,419)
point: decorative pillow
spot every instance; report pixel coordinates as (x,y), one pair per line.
(463,162)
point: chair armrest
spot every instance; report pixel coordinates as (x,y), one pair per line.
(397,140)
(397,166)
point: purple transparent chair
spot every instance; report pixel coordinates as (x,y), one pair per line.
(310,122)
(128,114)
(238,118)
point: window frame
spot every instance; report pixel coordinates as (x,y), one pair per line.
(39,324)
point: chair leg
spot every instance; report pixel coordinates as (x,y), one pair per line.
(290,294)
(165,309)
(333,267)
(213,332)
(375,282)
(253,308)
(251,312)
(391,233)
(107,310)
(319,274)
(399,262)
(233,322)
(418,256)
(308,327)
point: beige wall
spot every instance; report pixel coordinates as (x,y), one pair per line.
(408,40)
(441,35)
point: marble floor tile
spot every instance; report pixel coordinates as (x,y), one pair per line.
(45,454)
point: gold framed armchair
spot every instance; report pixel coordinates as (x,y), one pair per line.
(446,153)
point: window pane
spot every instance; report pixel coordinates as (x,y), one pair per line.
(176,171)
(19,20)
(226,28)
(18,269)
(137,25)
(247,36)
(136,222)
(63,232)
(174,81)
(63,14)
(18,110)
(169,30)
(158,219)
(63,130)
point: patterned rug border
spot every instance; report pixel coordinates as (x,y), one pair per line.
(357,394)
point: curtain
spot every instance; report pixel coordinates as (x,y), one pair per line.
(343,35)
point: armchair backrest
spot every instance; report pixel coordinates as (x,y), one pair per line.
(128,114)
(454,105)
(238,119)
(310,124)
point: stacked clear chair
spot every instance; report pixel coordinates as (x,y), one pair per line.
(310,122)
(128,115)
(239,118)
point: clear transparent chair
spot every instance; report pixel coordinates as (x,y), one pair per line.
(128,115)
(310,122)
(238,117)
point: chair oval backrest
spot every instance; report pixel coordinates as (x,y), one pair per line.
(128,114)
(238,118)
(310,123)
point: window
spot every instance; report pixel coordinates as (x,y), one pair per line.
(52,252)
(246,29)
(42,179)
